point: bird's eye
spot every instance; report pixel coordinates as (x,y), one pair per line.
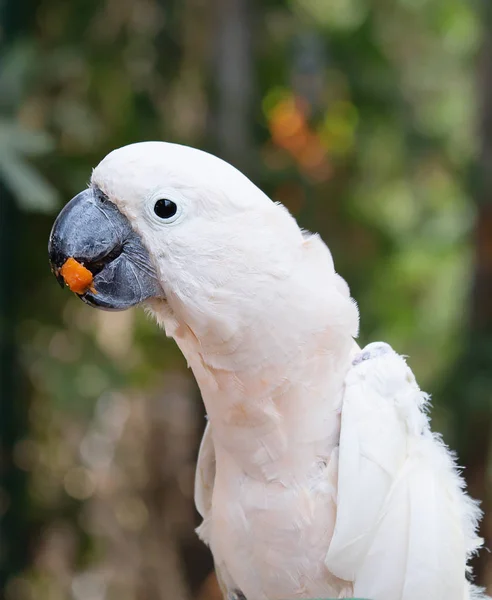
(165,209)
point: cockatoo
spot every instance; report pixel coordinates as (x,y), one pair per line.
(318,474)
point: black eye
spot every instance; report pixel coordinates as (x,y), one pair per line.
(165,209)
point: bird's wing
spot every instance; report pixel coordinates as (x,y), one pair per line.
(204,480)
(405,527)
(204,488)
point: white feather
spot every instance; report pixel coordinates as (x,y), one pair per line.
(400,505)
(296,504)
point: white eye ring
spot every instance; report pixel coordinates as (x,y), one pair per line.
(164,208)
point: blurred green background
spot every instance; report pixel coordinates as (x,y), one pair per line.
(370,120)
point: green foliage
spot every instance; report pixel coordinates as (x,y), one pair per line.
(32,191)
(362,123)
(18,144)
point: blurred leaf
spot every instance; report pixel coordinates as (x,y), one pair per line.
(16,138)
(32,191)
(16,64)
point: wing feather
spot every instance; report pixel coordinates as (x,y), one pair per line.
(204,481)
(405,527)
(204,489)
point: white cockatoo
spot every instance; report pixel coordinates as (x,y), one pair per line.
(318,474)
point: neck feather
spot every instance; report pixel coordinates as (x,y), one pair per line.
(272,378)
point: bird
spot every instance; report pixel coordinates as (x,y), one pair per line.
(318,475)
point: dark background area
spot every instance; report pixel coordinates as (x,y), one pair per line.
(370,120)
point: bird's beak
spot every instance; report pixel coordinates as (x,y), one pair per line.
(93,232)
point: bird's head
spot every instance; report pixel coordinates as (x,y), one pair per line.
(173,223)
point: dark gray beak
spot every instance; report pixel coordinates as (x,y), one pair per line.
(92,230)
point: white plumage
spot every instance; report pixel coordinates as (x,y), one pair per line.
(318,475)
(400,500)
